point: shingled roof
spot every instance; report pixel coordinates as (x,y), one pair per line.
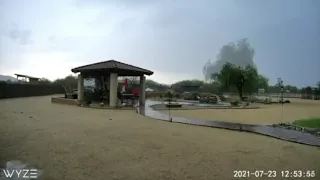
(122,69)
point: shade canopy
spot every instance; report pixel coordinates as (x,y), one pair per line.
(111,66)
(27,76)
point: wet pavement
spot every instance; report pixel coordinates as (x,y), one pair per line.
(276,132)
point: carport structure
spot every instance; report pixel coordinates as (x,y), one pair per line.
(109,71)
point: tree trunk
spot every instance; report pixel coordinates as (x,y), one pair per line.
(240,92)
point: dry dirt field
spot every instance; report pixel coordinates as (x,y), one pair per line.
(267,114)
(74,143)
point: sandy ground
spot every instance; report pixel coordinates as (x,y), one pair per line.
(70,142)
(267,114)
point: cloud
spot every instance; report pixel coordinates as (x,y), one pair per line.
(20,36)
(174,38)
(52,38)
(116,3)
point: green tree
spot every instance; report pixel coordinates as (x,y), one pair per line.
(210,88)
(263,82)
(156,86)
(243,79)
(68,83)
(240,54)
(307,92)
(44,81)
(291,89)
(187,86)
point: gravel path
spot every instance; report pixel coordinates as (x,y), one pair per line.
(70,142)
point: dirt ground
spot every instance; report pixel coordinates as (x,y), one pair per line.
(69,142)
(267,114)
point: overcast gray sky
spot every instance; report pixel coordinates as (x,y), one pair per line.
(174,38)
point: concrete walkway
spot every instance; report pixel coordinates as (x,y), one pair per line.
(276,132)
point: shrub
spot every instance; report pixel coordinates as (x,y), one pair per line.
(234,103)
(222,97)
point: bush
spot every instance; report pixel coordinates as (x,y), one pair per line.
(192,97)
(234,103)
(222,97)
(209,100)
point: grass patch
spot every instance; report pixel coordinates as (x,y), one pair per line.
(309,123)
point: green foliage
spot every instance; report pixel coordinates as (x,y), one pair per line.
(292,89)
(307,90)
(187,86)
(263,82)
(191,96)
(44,81)
(243,79)
(157,86)
(239,53)
(276,89)
(213,88)
(68,83)
(209,100)
(195,86)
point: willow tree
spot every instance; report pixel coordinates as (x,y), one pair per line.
(244,79)
(239,53)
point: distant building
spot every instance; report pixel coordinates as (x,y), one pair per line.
(30,79)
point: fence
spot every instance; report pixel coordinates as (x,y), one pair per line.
(8,90)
